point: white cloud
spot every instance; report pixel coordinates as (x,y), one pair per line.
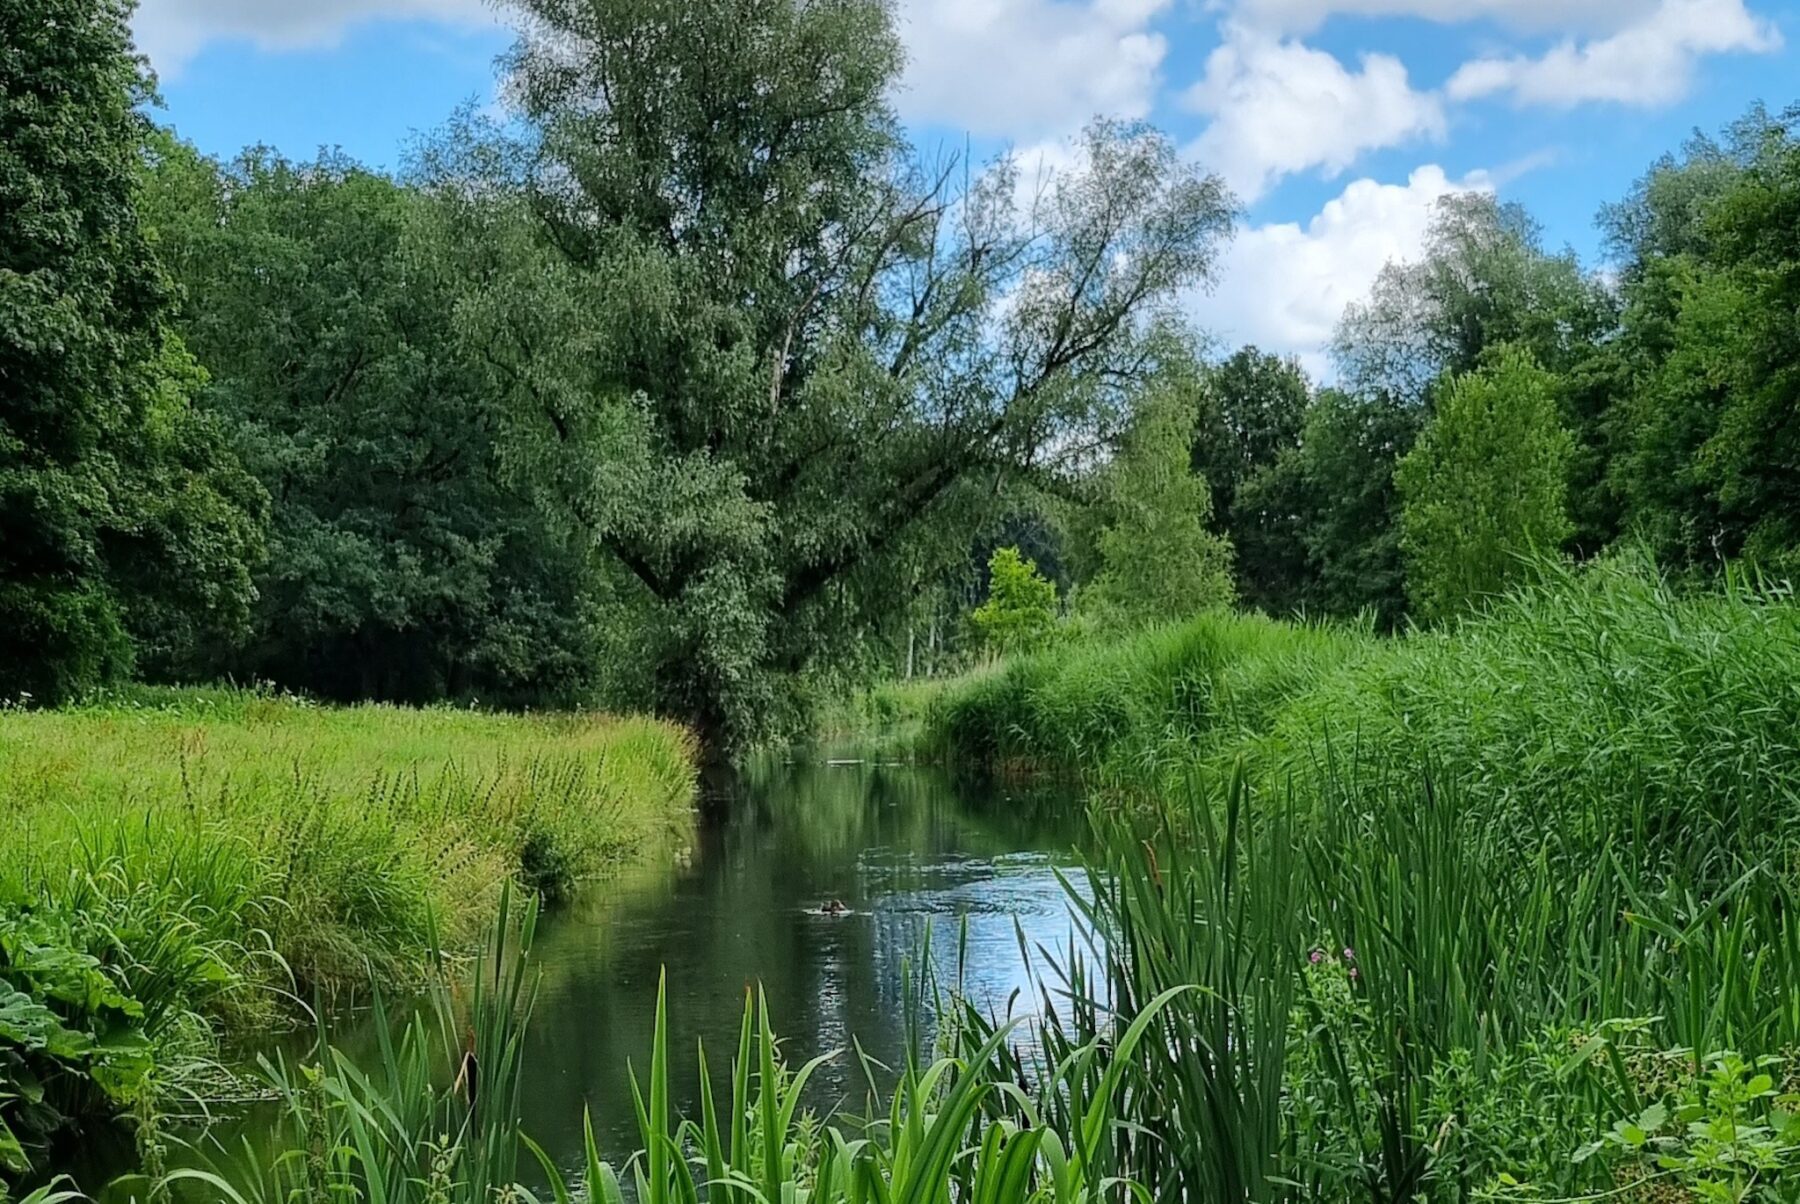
(1283,286)
(171,32)
(1582,16)
(1650,62)
(1028,68)
(1279,107)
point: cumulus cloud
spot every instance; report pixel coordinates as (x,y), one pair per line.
(171,32)
(1283,286)
(1579,16)
(1650,62)
(1029,69)
(1278,106)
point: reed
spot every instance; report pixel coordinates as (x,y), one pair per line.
(413,1130)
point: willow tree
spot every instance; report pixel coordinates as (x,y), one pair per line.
(805,354)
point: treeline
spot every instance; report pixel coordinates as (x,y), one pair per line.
(697,382)
(1497,400)
(663,397)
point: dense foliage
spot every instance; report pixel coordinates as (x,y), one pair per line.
(409,559)
(620,403)
(122,518)
(1485,488)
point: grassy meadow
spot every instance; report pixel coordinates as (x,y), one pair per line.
(179,863)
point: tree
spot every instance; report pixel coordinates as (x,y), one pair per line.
(410,559)
(1485,487)
(1020,612)
(1249,410)
(1340,484)
(120,513)
(1709,462)
(1158,560)
(805,357)
(1485,280)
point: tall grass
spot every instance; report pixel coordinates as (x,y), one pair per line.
(1626,706)
(217,855)
(1387,1010)
(415,1129)
(320,842)
(1461,906)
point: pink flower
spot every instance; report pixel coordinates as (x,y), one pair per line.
(1353,973)
(1316,956)
(1349,954)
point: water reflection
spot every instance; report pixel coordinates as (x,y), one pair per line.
(908,852)
(905,849)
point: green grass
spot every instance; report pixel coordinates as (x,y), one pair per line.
(223,857)
(1561,837)
(332,843)
(1624,703)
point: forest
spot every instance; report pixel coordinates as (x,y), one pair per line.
(639,409)
(385,554)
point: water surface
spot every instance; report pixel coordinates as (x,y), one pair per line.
(905,849)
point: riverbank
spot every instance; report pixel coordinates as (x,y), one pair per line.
(1501,910)
(1607,692)
(187,859)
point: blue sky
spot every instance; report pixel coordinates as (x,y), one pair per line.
(1338,122)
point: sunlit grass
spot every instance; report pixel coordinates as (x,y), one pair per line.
(316,847)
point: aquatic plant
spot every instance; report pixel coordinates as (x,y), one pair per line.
(416,1128)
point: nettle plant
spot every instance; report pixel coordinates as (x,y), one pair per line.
(1726,1134)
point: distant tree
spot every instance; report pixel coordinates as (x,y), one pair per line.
(1340,483)
(1158,560)
(1020,612)
(1709,445)
(410,558)
(1485,487)
(801,362)
(1249,410)
(121,515)
(1482,281)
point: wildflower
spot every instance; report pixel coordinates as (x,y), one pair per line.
(1316,956)
(1353,974)
(1349,954)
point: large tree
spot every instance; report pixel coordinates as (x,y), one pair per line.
(409,559)
(806,357)
(120,513)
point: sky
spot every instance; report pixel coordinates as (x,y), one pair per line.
(1337,123)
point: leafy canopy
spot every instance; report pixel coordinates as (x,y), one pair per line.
(1485,487)
(777,362)
(121,514)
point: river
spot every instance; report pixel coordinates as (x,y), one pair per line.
(907,850)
